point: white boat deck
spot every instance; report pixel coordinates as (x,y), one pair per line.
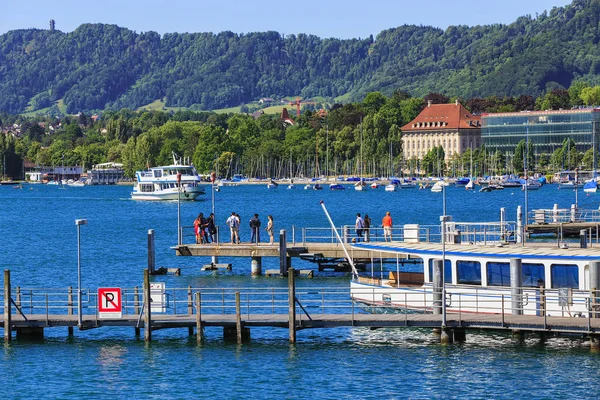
(507,251)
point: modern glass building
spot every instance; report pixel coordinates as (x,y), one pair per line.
(546,130)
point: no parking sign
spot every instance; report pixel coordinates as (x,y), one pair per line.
(109,303)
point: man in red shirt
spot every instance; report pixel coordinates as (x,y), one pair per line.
(386,222)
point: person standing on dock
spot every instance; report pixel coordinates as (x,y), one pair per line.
(367,226)
(255,228)
(270,228)
(211,227)
(197,229)
(359,225)
(386,222)
(233,224)
(237,228)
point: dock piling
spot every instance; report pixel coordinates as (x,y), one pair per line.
(256,265)
(7,307)
(238,318)
(594,287)
(516,286)
(136,307)
(282,252)
(151,253)
(199,329)
(70,308)
(147,313)
(190,308)
(292,304)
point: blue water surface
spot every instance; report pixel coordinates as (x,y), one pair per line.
(39,245)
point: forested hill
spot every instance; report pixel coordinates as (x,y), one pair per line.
(104,66)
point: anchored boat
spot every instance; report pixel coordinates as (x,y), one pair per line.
(160,183)
(484,275)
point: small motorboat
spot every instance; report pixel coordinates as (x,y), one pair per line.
(336,186)
(318,186)
(374,185)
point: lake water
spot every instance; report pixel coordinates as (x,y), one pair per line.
(39,246)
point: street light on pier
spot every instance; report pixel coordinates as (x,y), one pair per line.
(179,208)
(78,223)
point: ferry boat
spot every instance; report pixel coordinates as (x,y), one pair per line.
(552,280)
(160,183)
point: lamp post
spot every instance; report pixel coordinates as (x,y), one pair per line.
(179,208)
(78,223)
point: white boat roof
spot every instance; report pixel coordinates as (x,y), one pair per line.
(538,251)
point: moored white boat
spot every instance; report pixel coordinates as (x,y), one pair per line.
(160,183)
(374,185)
(552,281)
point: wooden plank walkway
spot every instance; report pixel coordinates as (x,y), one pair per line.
(329,250)
(566,325)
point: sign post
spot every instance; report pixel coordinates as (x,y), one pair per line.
(110,303)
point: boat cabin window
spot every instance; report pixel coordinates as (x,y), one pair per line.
(564,276)
(532,274)
(498,274)
(447,271)
(469,272)
(157,173)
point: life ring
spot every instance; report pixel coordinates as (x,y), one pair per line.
(186,194)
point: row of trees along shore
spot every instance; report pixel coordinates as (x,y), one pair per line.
(268,147)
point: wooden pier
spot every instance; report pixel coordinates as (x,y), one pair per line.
(30,312)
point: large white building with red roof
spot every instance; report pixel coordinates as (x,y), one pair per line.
(448,125)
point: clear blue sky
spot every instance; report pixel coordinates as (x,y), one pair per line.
(324,18)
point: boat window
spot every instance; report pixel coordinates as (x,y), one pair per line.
(565,276)
(498,274)
(533,274)
(469,272)
(447,271)
(157,173)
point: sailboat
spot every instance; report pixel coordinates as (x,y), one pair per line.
(361,185)
(469,185)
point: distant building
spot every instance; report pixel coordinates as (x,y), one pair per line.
(546,130)
(266,100)
(105,174)
(448,125)
(286,117)
(51,25)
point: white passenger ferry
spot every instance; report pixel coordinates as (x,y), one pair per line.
(551,280)
(160,183)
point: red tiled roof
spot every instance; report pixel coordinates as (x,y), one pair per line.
(443,116)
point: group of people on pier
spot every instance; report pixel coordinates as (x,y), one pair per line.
(234,222)
(205,229)
(363,228)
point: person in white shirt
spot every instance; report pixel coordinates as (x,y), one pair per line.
(359,225)
(233,223)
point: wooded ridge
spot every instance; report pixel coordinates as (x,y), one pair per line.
(100,66)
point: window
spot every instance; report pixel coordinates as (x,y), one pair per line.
(469,272)
(447,271)
(533,275)
(565,276)
(498,274)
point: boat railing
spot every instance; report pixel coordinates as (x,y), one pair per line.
(559,216)
(309,301)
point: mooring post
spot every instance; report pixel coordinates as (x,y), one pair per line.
(516,286)
(292,304)
(437,286)
(199,332)
(147,314)
(136,307)
(7,316)
(238,318)
(70,308)
(282,252)
(151,254)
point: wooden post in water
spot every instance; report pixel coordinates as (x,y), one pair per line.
(7,309)
(190,308)
(147,314)
(136,307)
(238,318)
(282,253)
(151,254)
(70,308)
(199,331)
(292,304)
(594,287)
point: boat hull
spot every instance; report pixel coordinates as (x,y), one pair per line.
(188,194)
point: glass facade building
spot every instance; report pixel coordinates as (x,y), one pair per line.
(546,130)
